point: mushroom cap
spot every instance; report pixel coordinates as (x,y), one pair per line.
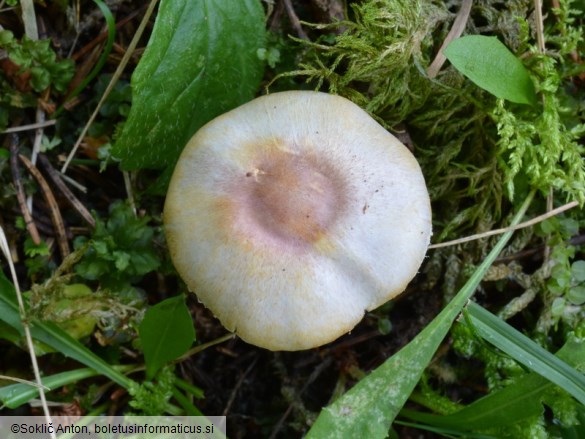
(292,215)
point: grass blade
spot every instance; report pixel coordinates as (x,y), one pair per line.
(512,404)
(54,336)
(15,395)
(527,352)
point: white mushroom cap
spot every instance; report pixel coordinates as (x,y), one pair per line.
(293,214)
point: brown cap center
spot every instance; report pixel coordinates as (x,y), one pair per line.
(294,198)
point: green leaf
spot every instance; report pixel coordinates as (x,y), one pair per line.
(577,295)
(121,259)
(166,332)
(558,306)
(6,38)
(489,64)
(578,271)
(31,249)
(368,409)
(199,63)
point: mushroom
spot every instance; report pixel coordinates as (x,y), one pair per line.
(293,215)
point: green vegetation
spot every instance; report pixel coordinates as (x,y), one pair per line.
(120,250)
(499,131)
(30,67)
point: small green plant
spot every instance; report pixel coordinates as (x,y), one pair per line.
(33,68)
(48,144)
(564,287)
(120,250)
(271,55)
(38,256)
(37,59)
(151,398)
(38,259)
(114,110)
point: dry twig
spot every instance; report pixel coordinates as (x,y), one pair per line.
(20,195)
(523,225)
(294,20)
(455,32)
(52,204)
(32,126)
(65,191)
(539,25)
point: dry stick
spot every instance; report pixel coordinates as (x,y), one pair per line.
(20,196)
(31,30)
(32,126)
(75,184)
(67,193)
(236,388)
(294,20)
(53,207)
(113,81)
(539,25)
(38,135)
(44,226)
(575,241)
(36,148)
(276,14)
(523,225)
(31,349)
(455,32)
(314,375)
(29,19)
(549,207)
(129,192)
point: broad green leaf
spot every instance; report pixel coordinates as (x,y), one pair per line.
(368,409)
(166,332)
(489,64)
(54,336)
(200,62)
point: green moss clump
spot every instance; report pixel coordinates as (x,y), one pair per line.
(477,152)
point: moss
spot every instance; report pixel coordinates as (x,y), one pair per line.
(477,152)
(480,155)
